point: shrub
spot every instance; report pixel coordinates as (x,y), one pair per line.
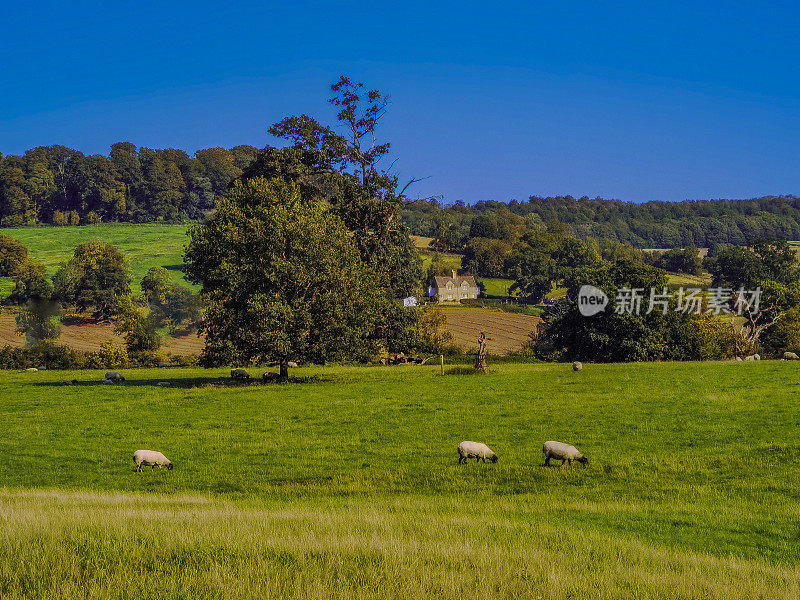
(92,218)
(111,356)
(43,353)
(60,218)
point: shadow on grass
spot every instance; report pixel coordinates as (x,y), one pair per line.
(180,267)
(183,382)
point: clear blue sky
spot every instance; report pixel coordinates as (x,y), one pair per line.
(631,100)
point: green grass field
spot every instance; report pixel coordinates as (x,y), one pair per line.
(348,486)
(144,245)
(495,286)
(451,261)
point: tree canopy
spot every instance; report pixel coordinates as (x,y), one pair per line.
(95,278)
(282,279)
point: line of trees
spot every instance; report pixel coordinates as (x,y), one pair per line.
(62,186)
(703,224)
(735,326)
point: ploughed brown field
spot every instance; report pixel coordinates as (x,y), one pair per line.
(88,337)
(506,332)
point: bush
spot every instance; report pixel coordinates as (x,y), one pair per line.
(54,356)
(92,218)
(60,218)
(784,335)
(110,357)
(51,355)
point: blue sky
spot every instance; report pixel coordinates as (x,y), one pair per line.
(636,101)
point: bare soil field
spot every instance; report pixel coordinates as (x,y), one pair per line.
(506,332)
(88,337)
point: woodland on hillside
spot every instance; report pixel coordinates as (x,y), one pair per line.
(700,223)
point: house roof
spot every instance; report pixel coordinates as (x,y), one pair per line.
(443,280)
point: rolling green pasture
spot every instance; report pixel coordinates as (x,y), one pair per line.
(348,486)
(451,261)
(144,245)
(496,286)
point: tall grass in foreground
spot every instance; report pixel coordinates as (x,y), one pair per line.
(109,545)
(347,485)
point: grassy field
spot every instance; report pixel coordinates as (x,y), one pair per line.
(348,486)
(495,286)
(144,245)
(676,280)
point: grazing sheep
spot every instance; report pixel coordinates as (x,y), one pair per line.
(114,376)
(738,359)
(163,364)
(749,358)
(790,356)
(239,374)
(476,450)
(32,370)
(562,452)
(150,458)
(576,366)
(291,364)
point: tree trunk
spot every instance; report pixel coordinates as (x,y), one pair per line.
(480,359)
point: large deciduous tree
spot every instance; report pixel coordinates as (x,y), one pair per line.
(96,278)
(282,280)
(344,171)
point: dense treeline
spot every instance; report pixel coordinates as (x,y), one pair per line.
(62,186)
(701,223)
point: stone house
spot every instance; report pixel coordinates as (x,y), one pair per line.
(455,288)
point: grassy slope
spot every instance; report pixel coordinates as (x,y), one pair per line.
(144,246)
(495,286)
(349,487)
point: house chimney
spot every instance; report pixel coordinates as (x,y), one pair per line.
(455,274)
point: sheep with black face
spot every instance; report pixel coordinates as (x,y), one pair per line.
(563,452)
(480,452)
(150,458)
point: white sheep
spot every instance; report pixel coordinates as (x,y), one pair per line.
(150,458)
(562,452)
(476,450)
(576,366)
(790,356)
(239,374)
